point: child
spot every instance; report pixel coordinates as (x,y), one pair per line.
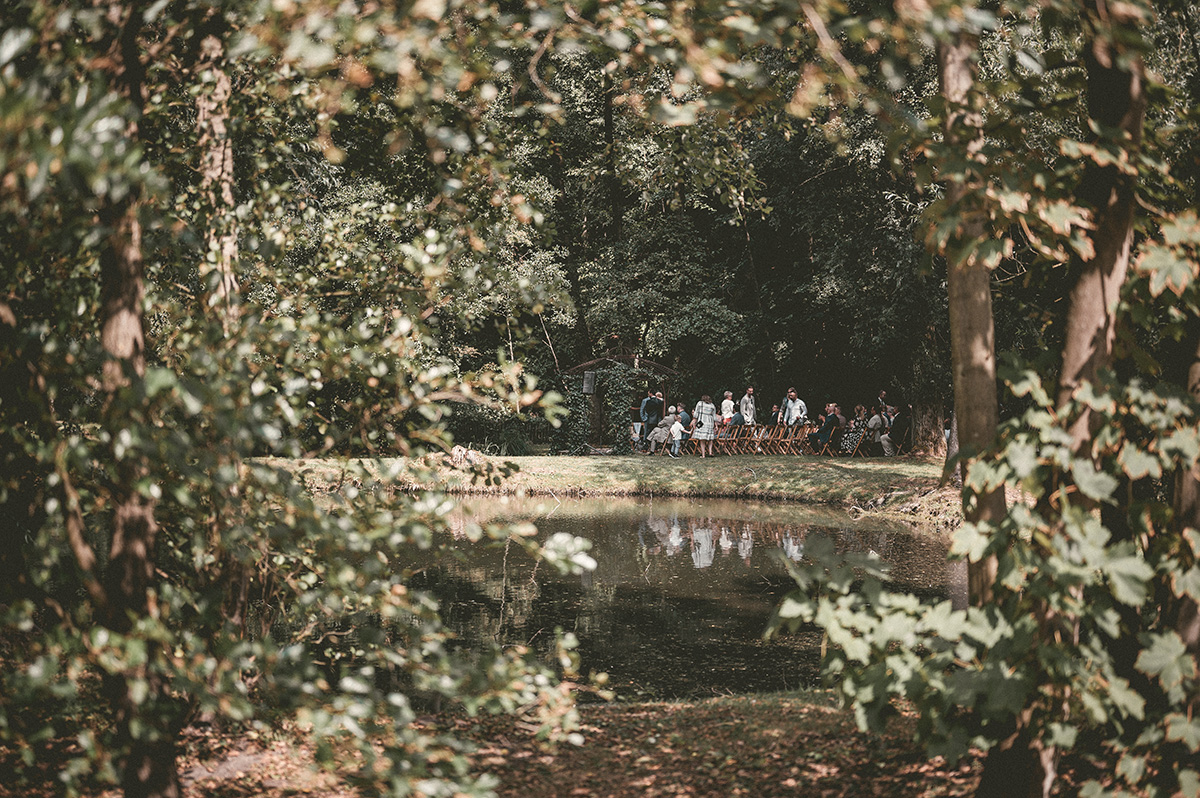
(676,436)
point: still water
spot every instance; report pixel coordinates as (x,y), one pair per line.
(682,589)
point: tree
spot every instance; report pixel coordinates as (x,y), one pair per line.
(167,329)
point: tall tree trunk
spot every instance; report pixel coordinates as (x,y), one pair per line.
(218,267)
(148,769)
(1116,100)
(616,205)
(1184,613)
(1115,84)
(972,330)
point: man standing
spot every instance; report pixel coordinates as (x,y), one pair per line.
(794,409)
(747,406)
(651,413)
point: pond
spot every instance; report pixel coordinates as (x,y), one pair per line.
(682,589)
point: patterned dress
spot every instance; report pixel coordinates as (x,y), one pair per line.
(705,416)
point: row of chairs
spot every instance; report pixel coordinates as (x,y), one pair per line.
(772,439)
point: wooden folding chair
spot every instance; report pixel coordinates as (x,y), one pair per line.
(794,439)
(725,438)
(776,443)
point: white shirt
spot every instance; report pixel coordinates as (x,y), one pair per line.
(727,409)
(795,410)
(747,407)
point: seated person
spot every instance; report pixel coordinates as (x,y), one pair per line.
(737,419)
(662,430)
(898,438)
(775,417)
(829,425)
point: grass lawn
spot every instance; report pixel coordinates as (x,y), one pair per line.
(907,486)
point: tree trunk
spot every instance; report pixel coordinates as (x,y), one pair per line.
(1116,100)
(1115,96)
(217,268)
(143,727)
(1183,613)
(972,332)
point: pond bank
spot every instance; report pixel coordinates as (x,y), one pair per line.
(904,487)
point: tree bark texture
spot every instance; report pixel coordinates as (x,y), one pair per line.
(1184,612)
(148,768)
(972,330)
(218,267)
(1116,101)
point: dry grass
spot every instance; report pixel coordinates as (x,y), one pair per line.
(907,486)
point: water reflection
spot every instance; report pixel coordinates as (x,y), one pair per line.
(681,592)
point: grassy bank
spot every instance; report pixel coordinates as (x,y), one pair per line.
(907,486)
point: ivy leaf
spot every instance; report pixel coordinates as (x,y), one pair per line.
(1092,483)
(1189,783)
(1183,229)
(1061,216)
(1138,463)
(1166,269)
(1128,577)
(1187,583)
(1023,458)
(1167,658)
(1028,383)
(1181,728)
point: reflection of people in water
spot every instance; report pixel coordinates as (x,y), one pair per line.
(793,548)
(745,544)
(661,532)
(726,540)
(702,546)
(675,538)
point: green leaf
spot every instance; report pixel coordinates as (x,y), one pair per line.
(1023,457)
(1061,216)
(1166,269)
(1167,658)
(1189,783)
(1181,728)
(1139,463)
(1187,583)
(1128,577)
(1092,483)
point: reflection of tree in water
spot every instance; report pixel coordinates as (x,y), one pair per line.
(659,623)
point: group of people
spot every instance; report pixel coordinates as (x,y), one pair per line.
(882,429)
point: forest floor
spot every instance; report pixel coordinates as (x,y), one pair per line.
(760,745)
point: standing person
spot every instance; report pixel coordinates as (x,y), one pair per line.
(727,407)
(676,436)
(746,405)
(794,409)
(704,424)
(644,413)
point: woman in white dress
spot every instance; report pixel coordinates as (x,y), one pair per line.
(704,421)
(727,407)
